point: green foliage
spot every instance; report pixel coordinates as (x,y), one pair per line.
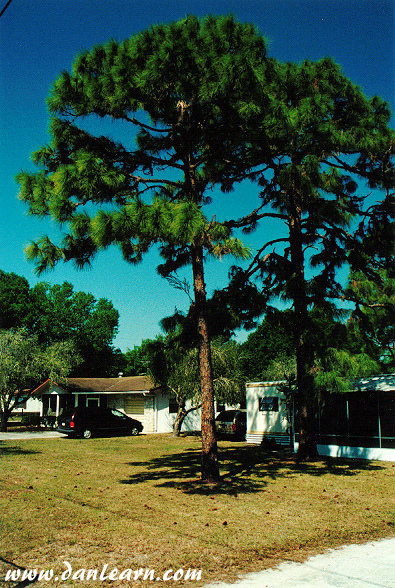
(229,372)
(176,369)
(31,420)
(372,323)
(137,360)
(338,369)
(24,364)
(272,340)
(58,313)
(193,82)
(14,300)
(325,140)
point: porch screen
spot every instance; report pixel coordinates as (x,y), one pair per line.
(134,405)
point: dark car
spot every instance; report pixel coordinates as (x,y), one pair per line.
(232,423)
(85,422)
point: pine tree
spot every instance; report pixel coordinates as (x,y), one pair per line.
(318,153)
(185,90)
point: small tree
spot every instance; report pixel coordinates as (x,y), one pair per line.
(185,89)
(24,364)
(176,369)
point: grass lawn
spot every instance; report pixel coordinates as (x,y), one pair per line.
(138,503)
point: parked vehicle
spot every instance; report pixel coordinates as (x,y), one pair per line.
(232,423)
(86,422)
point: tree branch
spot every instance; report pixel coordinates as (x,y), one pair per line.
(136,122)
(253,217)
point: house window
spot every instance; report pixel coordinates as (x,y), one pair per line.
(268,403)
(92,402)
(173,406)
(134,405)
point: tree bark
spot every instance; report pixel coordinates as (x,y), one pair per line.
(210,467)
(180,416)
(304,401)
(4,416)
(182,412)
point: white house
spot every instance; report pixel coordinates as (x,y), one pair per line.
(136,396)
(359,424)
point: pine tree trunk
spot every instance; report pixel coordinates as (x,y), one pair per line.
(210,467)
(304,401)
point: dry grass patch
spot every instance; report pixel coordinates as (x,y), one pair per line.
(138,503)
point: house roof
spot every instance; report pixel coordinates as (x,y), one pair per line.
(124,384)
(382,382)
(104,385)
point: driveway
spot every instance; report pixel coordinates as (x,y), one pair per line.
(371,565)
(14,436)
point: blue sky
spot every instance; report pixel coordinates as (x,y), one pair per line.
(40,39)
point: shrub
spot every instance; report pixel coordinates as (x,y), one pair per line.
(31,420)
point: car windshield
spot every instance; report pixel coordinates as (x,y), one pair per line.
(118,413)
(227,416)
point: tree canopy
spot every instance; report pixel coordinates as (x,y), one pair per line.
(14,300)
(24,363)
(57,313)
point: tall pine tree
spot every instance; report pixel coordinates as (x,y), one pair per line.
(185,90)
(323,148)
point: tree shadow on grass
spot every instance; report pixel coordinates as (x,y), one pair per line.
(16,450)
(244,469)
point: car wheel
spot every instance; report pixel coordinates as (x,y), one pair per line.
(134,431)
(87,433)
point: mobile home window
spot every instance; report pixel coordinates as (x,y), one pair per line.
(268,403)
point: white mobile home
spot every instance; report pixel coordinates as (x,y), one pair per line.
(359,424)
(268,416)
